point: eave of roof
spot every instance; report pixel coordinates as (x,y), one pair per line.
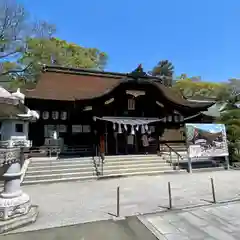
(54,85)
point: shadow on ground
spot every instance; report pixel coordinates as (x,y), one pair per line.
(128,229)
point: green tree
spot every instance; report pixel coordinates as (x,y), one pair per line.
(230,116)
(229,90)
(164,69)
(194,87)
(52,51)
(15,28)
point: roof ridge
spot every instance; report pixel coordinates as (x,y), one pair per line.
(53,68)
(85,71)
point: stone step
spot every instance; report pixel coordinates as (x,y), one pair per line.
(106,156)
(89,172)
(140,173)
(66,179)
(33,167)
(81,178)
(59,171)
(90,161)
(174,158)
(43,170)
(57,176)
(114,157)
(92,169)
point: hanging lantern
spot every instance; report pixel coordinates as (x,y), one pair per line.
(142,129)
(125,127)
(146,127)
(132,130)
(114,126)
(137,127)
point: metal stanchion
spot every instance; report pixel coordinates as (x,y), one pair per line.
(170,195)
(213,191)
(118,201)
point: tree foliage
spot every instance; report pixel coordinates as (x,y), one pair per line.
(26,45)
(230,116)
(194,87)
(12,22)
(163,69)
(15,29)
(56,51)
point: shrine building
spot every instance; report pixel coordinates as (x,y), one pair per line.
(83,106)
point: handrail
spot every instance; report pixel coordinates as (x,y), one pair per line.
(172,150)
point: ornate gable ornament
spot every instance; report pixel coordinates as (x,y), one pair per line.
(138,73)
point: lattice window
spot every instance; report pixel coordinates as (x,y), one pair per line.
(55,115)
(63,115)
(62,128)
(81,129)
(45,115)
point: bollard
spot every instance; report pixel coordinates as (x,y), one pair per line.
(118,201)
(170,195)
(213,191)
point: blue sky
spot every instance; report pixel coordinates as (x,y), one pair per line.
(209,127)
(200,37)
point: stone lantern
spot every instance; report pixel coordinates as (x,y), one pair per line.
(15,206)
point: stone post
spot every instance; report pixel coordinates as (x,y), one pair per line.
(15,206)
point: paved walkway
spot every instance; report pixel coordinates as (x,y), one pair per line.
(77,202)
(129,229)
(216,222)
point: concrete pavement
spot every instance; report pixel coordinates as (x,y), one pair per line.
(71,203)
(219,222)
(129,229)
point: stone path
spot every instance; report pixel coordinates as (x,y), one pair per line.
(205,223)
(70,203)
(128,229)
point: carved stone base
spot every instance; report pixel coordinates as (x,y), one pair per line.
(20,221)
(14,207)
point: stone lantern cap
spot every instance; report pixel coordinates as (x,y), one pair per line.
(12,105)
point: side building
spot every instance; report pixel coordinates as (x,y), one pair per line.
(85,107)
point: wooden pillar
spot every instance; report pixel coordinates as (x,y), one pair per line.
(136,142)
(106,138)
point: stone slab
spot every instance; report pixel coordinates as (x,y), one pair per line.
(11,224)
(200,223)
(128,229)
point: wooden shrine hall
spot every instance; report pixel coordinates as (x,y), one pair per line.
(85,108)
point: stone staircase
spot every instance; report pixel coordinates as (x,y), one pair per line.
(46,170)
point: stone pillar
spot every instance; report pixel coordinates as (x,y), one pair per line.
(15,206)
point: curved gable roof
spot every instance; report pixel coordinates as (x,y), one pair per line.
(70,85)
